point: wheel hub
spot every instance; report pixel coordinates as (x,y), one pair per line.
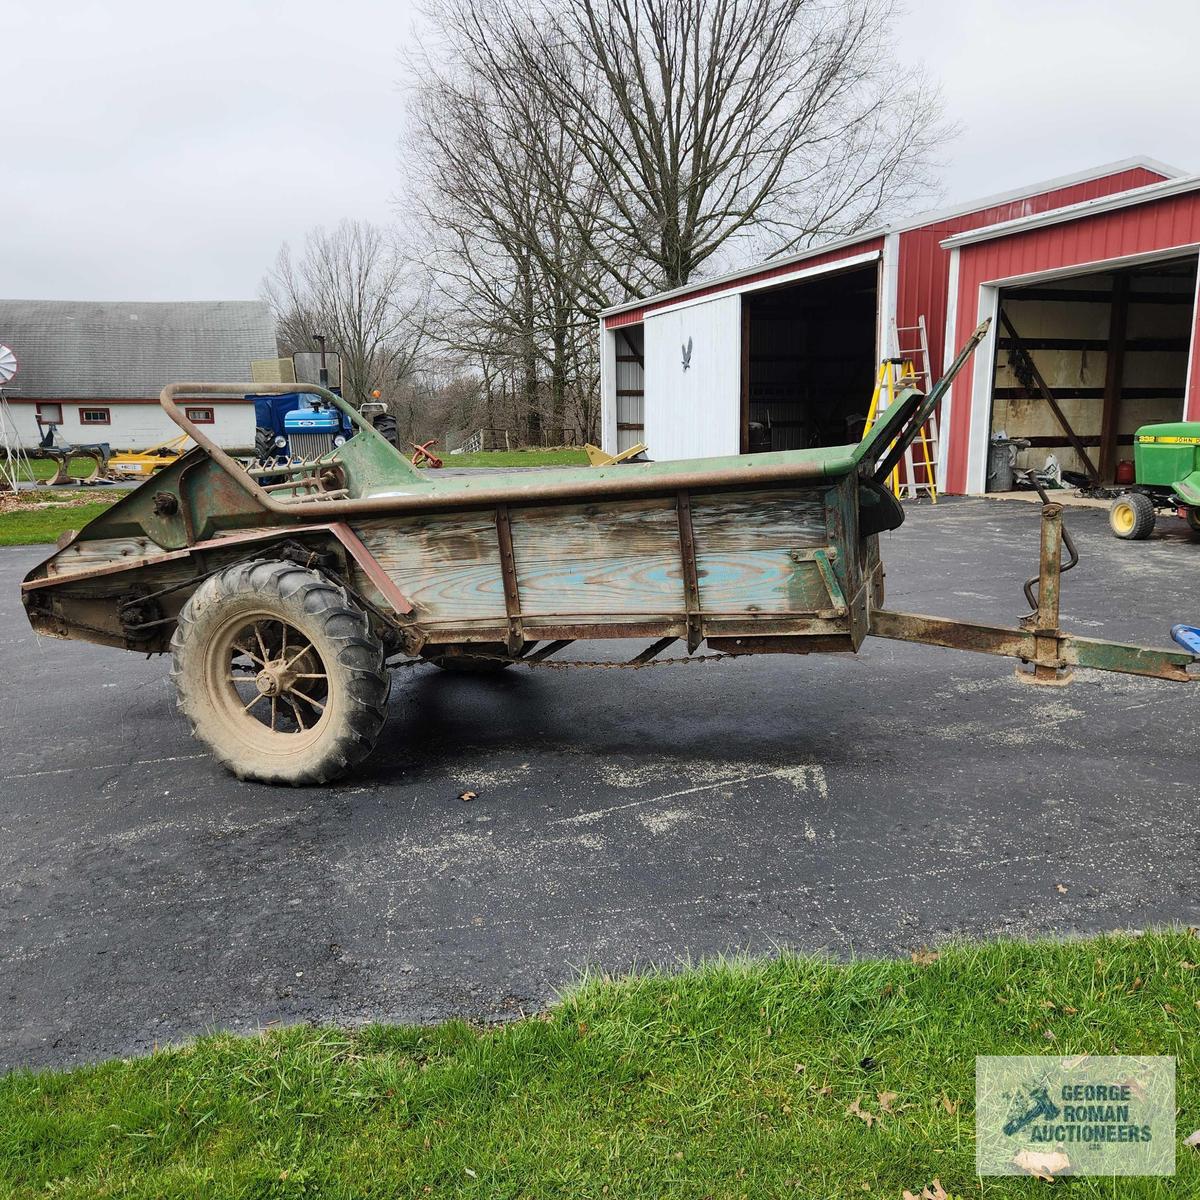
(273,680)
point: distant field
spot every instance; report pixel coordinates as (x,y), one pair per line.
(519,458)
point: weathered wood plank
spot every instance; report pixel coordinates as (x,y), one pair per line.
(732,522)
(439,538)
(613,561)
(82,556)
(585,559)
(586,532)
(629,586)
(448,564)
(760,581)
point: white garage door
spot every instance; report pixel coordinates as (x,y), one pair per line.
(693,380)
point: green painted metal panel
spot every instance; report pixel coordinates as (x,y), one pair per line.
(1163,454)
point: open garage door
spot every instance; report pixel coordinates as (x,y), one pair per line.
(809,357)
(1110,348)
(631,394)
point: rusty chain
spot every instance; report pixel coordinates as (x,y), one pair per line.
(563,664)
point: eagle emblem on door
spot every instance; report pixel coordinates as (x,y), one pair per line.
(687,354)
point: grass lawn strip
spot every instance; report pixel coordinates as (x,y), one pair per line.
(37,516)
(561,457)
(738,1079)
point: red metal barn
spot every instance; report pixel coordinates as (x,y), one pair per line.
(1102,296)
(784,354)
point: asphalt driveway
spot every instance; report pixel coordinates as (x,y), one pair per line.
(875,803)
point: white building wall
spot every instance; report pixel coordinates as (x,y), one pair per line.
(608,389)
(135,426)
(694,412)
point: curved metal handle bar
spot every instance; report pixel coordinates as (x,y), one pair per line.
(229,464)
(625,480)
(1031,585)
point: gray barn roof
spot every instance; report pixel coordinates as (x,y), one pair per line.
(92,350)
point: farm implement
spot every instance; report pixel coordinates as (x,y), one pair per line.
(284,602)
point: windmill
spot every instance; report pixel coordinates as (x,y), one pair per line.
(10,440)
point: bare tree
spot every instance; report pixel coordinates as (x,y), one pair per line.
(707,127)
(566,154)
(353,287)
(520,283)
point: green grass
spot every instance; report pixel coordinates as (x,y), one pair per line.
(43,469)
(729,1081)
(518,458)
(40,519)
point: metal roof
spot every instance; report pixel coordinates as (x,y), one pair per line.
(1073,212)
(916,221)
(87,350)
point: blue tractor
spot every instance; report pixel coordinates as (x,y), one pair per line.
(299,425)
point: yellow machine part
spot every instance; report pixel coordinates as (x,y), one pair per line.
(140,464)
(597,457)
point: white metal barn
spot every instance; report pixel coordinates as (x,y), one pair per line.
(94,369)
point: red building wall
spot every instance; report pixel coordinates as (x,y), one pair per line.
(1173,222)
(923,268)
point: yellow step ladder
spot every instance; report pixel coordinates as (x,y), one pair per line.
(908,368)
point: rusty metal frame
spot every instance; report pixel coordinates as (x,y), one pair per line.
(691,577)
(1063,650)
(337,529)
(823,556)
(515,638)
(1039,644)
(1047,662)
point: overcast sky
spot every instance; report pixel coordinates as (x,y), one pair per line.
(156,151)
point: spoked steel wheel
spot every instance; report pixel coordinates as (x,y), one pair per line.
(279,673)
(277,677)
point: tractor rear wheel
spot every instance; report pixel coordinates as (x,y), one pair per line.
(1193,519)
(1131,516)
(264,444)
(279,673)
(385,424)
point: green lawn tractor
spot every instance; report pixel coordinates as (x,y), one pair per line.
(1166,461)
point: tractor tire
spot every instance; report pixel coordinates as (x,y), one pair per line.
(385,424)
(1193,519)
(1131,516)
(264,444)
(279,673)
(470,659)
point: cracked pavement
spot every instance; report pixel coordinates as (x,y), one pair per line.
(850,804)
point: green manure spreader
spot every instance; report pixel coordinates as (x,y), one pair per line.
(284,604)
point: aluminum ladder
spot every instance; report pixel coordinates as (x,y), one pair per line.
(911,343)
